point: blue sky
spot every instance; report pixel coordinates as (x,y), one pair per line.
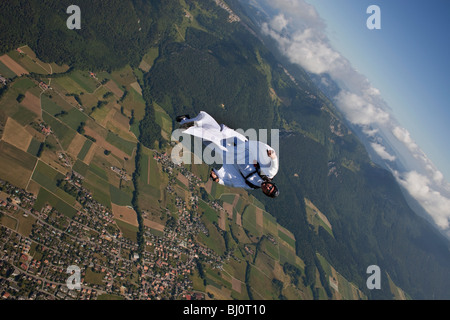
(407,60)
(394,81)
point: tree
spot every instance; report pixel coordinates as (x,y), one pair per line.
(20,97)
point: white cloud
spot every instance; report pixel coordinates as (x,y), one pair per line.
(303,41)
(403,135)
(359,110)
(304,46)
(369,131)
(302,11)
(301,36)
(279,23)
(436,204)
(381,151)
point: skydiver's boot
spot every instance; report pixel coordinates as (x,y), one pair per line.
(181,118)
(184,124)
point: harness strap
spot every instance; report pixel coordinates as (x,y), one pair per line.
(251,185)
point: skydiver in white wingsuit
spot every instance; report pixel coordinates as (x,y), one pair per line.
(247,163)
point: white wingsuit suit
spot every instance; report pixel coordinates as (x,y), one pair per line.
(246,163)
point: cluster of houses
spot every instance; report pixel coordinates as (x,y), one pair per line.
(232,16)
(121,173)
(110,263)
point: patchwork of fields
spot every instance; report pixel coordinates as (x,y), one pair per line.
(78,124)
(88,133)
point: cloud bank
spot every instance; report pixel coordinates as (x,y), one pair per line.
(419,186)
(381,151)
(301,36)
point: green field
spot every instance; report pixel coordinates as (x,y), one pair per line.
(214,240)
(208,212)
(99,188)
(94,277)
(47,177)
(228,198)
(249,221)
(99,114)
(80,167)
(85,149)
(73,118)
(68,84)
(24,84)
(124,145)
(261,285)
(83,79)
(27,62)
(50,106)
(16,165)
(5,72)
(23,115)
(34,147)
(64,133)
(162,119)
(119,197)
(151,56)
(45,196)
(128,230)
(150,182)
(98,171)
(286,238)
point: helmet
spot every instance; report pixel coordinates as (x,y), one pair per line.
(273,192)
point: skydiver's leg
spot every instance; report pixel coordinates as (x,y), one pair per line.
(202,120)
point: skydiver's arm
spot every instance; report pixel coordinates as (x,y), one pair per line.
(273,169)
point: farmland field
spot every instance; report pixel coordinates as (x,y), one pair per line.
(73,118)
(112,85)
(16,165)
(129,231)
(119,197)
(5,71)
(76,145)
(94,277)
(32,103)
(83,79)
(149,58)
(34,147)
(80,167)
(125,214)
(45,197)
(67,84)
(47,177)
(98,171)
(49,105)
(62,131)
(30,63)
(13,65)
(23,115)
(16,135)
(9,222)
(24,84)
(99,134)
(99,188)
(249,221)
